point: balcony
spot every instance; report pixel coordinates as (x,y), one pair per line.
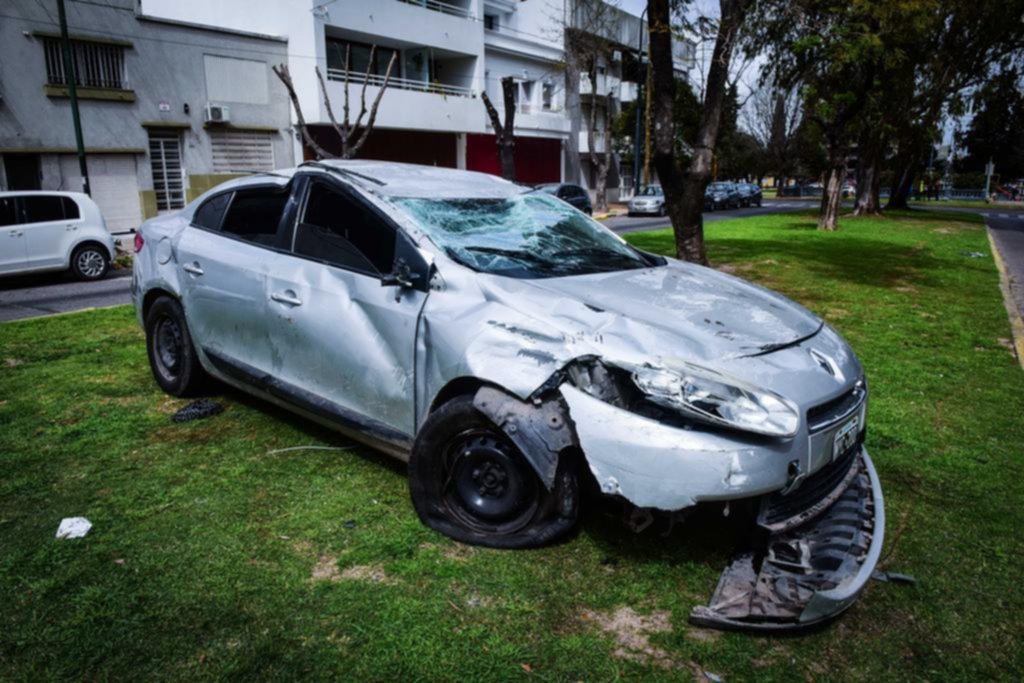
(442,7)
(447,26)
(605,84)
(408,103)
(436,88)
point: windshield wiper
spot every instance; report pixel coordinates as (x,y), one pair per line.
(598,252)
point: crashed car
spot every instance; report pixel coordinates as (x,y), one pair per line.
(513,350)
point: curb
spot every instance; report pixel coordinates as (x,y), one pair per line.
(1016,321)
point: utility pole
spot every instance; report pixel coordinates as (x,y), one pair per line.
(70,77)
(639,102)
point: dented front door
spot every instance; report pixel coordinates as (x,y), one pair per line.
(336,333)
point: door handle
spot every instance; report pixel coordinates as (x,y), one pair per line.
(286,297)
(192,268)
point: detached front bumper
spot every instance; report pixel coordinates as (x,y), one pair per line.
(806,574)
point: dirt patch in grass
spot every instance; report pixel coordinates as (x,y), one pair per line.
(632,634)
(373,573)
(11,362)
(325,569)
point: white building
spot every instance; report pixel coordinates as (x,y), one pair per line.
(447,52)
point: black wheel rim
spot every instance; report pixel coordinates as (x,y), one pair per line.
(488,486)
(168,346)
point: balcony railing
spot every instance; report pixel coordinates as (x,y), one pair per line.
(442,7)
(401,83)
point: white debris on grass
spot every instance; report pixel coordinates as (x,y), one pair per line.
(73,527)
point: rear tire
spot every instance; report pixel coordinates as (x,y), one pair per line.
(468,481)
(172,357)
(90,262)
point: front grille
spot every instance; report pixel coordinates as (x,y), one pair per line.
(779,508)
(827,414)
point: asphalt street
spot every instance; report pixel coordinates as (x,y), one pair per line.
(1007,231)
(36,295)
(47,294)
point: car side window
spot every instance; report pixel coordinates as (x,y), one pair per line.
(254,215)
(41,208)
(8,212)
(209,215)
(71,211)
(343,232)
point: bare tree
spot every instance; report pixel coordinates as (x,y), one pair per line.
(505,132)
(352,134)
(684,190)
(589,47)
(773,119)
(601,162)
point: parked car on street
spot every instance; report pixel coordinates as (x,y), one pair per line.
(721,195)
(51,231)
(572,194)
(750,194)
(515,352)
(650,200)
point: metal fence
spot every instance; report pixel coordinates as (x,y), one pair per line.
(400,83)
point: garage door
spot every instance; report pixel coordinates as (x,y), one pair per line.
(114,185)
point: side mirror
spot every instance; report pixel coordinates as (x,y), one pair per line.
(401,276)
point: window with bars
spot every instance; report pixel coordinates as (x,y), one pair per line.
(165,162)
(96,65)
(242,151)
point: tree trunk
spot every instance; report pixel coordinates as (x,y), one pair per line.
(868,180)
(831,195)
(504,132)
(684,193)
(903,182)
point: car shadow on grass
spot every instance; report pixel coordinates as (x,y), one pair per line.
(704,537)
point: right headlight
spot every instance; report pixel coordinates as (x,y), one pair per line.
(707,396)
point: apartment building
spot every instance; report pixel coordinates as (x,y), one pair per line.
(446,54)
(168,108)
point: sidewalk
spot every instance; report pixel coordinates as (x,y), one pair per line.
(614,209)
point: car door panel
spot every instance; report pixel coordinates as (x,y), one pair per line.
(337,333)
(48,234)
(223,285)
(345,339)
(12,236)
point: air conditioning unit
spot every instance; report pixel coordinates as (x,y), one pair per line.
(216,113)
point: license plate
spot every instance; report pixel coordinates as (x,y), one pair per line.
(845,437)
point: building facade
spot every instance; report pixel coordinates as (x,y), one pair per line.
(168,108)
(444,55)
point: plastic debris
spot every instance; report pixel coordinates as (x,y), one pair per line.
(972,254)
(73,527)
(197,410)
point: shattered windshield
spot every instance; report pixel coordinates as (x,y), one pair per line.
(526,236)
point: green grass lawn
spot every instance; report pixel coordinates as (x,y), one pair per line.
(213,556)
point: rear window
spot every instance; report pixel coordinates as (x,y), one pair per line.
(70,208)
(254,215)
(43,208)
(211,212)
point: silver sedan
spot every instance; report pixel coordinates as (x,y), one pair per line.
(514,352)
(650,200)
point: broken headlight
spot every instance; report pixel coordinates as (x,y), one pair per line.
(705,396)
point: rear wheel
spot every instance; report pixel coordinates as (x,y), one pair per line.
(90,262)
(172,357)
(468,481)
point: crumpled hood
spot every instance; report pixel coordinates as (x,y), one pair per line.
(678,311)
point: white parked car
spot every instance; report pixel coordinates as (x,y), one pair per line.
(47,231)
